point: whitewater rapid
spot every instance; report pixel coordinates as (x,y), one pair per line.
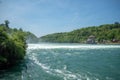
(73,61)
(81,46)
(64,73)
(65,61)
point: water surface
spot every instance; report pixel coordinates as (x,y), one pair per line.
(67,62)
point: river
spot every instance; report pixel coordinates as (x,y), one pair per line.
(67,62)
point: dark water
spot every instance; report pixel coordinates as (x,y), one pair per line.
(67,62)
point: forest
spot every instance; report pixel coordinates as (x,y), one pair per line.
(104,34)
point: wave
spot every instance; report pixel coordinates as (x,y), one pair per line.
(64,73)
(53,46)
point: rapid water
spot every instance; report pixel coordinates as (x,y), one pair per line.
(67,62)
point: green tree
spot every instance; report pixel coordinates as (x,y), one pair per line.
(103,33)
(12,46)
(7,23)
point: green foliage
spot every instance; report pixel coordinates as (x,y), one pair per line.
(103,33)
(6,23)
(12,46)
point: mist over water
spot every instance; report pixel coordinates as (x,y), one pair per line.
(67,62)
(70,46)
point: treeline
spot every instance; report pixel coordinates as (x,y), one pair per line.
(107,33)
(12,44)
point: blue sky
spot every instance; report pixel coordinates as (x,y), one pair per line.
(49,16)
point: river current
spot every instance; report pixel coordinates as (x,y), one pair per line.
(67,62)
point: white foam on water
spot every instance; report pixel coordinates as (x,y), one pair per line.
(40,64)
(50,46)
(64,73)
(65,67)
(67,75)
(108,78)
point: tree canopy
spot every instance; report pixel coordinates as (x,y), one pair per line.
(12,46)
(107,33)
